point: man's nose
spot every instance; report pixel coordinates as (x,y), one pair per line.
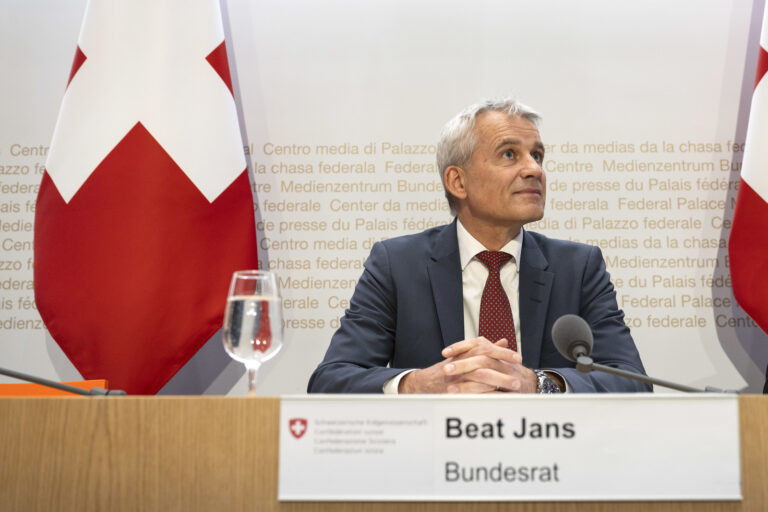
(532,167)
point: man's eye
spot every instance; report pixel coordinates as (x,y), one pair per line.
(539,157)
(509,154)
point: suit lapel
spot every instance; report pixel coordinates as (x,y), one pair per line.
(535,287)
(444,270)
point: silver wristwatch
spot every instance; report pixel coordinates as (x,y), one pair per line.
(546,384)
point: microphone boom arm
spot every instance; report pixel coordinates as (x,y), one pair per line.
(59,385)
(585,365)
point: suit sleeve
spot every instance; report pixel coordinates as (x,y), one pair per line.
(360,350)
(613,342)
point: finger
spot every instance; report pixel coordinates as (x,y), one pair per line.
(463,365)
(463,346)
(504,343)
(499,381)
(512,356)
(493,351)
(470,387)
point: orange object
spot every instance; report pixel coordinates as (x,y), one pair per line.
(25,389)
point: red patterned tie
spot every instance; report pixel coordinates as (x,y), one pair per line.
(496,320)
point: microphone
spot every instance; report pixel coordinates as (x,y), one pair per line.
(573,338)
(58,385)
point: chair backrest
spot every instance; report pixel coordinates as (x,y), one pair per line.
(25,389)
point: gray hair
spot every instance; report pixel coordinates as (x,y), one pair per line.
(458,141)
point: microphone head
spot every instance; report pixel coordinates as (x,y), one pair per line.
(572,337)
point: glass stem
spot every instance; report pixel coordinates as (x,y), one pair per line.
(253,370)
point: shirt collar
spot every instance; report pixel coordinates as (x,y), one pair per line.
(469,246)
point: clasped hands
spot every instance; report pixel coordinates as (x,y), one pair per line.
(473,365)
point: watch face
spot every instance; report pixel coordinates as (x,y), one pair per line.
(546,385)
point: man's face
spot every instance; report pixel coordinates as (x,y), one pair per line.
(504,182)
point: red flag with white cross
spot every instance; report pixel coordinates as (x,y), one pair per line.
(748,243)
(145,208)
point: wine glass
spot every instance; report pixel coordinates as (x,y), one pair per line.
(253,320)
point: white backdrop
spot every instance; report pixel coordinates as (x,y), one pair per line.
(644,104)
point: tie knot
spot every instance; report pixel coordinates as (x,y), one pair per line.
(493,259)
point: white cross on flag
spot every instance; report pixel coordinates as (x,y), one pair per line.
(748,244)
(298,427)
(145,209)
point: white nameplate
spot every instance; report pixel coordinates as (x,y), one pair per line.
(509,448)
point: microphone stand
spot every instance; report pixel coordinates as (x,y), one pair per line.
(58,385)
(585,365)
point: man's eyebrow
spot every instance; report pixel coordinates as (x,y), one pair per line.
(517,142)
(507,142)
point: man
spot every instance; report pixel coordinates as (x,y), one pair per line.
(469,307)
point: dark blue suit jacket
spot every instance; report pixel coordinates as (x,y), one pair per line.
(408,306)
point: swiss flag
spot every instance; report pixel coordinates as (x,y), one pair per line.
(748,245)
(145,209)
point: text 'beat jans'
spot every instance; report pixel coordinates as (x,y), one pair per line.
(498,472)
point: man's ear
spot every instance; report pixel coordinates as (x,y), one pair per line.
(454,181)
